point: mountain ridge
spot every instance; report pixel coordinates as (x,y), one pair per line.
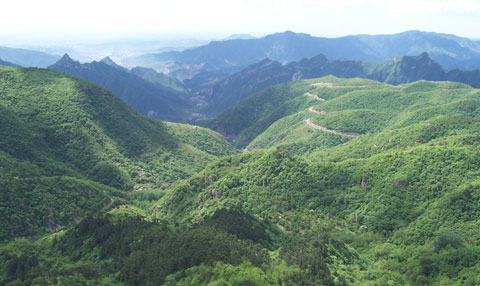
(398,70)
(75,148)
(27,58)
(8,64)
(449,50)
(146,97)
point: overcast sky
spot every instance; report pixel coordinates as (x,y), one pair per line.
(116,19)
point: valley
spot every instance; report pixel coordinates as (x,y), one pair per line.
(254,161)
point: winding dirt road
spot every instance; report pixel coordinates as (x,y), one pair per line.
(314,96)
(313,110)
(331,85)
(318,127)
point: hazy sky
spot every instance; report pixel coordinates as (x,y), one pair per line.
(113,19)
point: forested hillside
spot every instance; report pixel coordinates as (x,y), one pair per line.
(70,148)
(220,95)
(149,96)
(354,182)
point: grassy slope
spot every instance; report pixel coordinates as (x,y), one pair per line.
(256,113)
(367,110)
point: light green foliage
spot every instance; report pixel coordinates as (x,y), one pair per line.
(370,108)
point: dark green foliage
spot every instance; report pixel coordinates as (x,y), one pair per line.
(405,193)
(445,239)
(141,252)
(243,225)
(110,175)
(144,253)
(312,254)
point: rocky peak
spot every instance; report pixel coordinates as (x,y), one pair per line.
(108,61)
(66,61)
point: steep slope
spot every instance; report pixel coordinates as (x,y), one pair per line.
(232,89)
(148,98)
(409,69)
(158,78)
(246,120)
(367,109)
(219,95)
(69,148)
(292,109)
(27,58)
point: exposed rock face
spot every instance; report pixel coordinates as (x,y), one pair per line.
(364,182)
(216,194)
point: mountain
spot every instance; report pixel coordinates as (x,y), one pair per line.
(147,97)
(69,148)
(27,58)
(239,37)
(408,69)
(253,115)
(8,64)
(356,182)
(219,95)
(394,167)
(158,78)
(233,55)
(222,94)
(108,61)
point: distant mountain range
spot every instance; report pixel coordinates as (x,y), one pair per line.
(239,37)
(149,97)
(207,80)
(8,64)
(155,77)
(27,58)
(222,94)
(233,55)
(209,93)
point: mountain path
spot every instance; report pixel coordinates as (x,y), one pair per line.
(314,96)
(331,85)
(313,110)
(318,127)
